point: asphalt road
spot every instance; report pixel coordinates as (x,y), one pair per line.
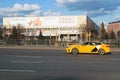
(18,64)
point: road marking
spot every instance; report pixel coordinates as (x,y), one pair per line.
(116,59)
(12,70)
(30,56)
(25,62)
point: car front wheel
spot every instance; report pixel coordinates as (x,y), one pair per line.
(101,52)
(75,51)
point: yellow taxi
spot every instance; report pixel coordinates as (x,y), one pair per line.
(89,47)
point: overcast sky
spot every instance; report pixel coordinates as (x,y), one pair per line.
(98,10)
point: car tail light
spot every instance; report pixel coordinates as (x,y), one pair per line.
(107,46)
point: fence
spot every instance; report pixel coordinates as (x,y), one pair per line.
(112,42)
(52,42)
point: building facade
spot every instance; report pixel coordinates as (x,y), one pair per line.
(66,27)
(115,27)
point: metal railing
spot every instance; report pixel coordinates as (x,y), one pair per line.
(112,42)
(52,42)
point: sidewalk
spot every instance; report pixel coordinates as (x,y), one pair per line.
(45,47)
(115,49)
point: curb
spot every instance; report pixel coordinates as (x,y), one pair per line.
(34,48)
(45,48)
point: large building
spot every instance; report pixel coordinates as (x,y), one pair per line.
(65,27)
(115,27)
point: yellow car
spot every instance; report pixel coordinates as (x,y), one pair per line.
(89,47)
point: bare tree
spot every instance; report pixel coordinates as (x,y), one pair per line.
(17,32)
(112,35)
(14,34)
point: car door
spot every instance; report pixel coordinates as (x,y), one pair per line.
(87,48)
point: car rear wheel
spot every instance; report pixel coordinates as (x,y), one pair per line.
(75,51)
(101,52)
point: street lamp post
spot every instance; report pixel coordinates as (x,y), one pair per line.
(56,39)
(68,36)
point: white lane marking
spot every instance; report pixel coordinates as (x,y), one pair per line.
(25,62)
(29,56)
(12,70)
(116,59)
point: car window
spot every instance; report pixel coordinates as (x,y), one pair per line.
(98,43)
(87,43)
(92,43)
